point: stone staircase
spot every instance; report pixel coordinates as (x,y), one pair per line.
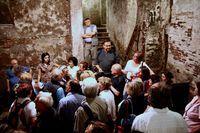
(102,35)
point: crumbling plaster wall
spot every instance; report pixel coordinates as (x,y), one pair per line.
(140,25)
(184,40)
(92,10)
(167,31)
(121,22)
(39,26)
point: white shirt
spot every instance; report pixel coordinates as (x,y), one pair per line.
(130,69)
(159,121)
(108,96)
(73,71)
(88,30)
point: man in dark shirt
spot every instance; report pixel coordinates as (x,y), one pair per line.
(106,57)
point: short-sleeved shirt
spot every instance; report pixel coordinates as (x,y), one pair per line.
(87,30)
(106,59)
(46,71)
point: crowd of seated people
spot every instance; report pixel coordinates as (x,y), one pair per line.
(75,98)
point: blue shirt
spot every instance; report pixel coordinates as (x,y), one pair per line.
(67,108)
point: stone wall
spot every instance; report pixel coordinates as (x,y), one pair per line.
(91,9)
(184,40)
(121,22)
(167,31)
(136,25)
(39,26)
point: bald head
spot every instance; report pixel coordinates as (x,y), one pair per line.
(14,62)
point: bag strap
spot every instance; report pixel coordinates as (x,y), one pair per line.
(87,110)
(27,101)
(130,104)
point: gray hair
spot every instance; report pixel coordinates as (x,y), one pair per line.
(56,73)
(117,67)
(90,87)
(45,98)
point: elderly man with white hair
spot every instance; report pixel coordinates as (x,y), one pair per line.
(97,105)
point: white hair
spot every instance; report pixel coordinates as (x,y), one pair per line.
(117,67)
(45,98)
(90,87)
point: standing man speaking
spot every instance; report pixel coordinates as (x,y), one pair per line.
(90,41)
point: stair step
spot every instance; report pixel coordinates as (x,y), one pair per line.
(102,34)
(102,29)
(103,37)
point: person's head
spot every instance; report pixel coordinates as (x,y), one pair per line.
(167,77)
(18,70)
(45,58)
(97,127)
(43,101)
(73,61)
(107,46)
(154,79)
(159,95)
(85,74)
(56,74)
(24,90)
(14,62)
(193,89)
(116,69)
(104,83)
(90,87)
(73,87)
(144,73)
(137,57)
(83,65)
(134,88)
(64,70)
(26,77)
(87,21)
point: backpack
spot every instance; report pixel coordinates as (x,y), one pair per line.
(89,113)
(17,113)
(92,118)
(126,122)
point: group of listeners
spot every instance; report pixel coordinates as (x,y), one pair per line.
(62,97)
